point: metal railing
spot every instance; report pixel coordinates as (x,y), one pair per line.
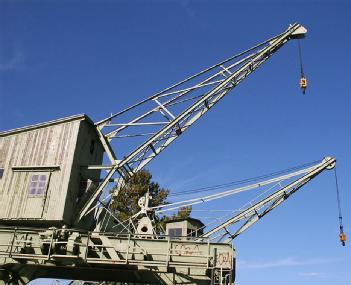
(52,245)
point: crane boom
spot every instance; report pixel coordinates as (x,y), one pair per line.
(179,106)
(253,213)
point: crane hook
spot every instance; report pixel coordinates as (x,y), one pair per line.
(342,236)
(303,84)
(303,80)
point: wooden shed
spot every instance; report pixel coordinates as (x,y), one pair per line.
(41,171)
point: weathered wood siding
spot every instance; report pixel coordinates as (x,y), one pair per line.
(56,150)
(89,151)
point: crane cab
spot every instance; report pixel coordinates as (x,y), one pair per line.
(186,227)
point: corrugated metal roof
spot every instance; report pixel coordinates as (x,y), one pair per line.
(46,124)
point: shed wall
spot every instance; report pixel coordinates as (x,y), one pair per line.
(56,152)
(88,151)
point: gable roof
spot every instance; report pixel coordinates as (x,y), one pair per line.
(46,124)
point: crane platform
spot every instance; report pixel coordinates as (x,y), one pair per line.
(27,254)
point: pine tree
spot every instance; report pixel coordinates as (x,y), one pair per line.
(126,205)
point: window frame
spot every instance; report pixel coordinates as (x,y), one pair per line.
(175,229)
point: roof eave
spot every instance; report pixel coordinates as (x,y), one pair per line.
(47,124)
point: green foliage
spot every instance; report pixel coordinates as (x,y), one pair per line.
(183,213)
(125,204)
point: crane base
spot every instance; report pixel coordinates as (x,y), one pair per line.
(28,254)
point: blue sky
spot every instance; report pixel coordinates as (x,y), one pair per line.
(59,58)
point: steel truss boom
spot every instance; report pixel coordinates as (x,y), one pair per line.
(220,195)
(166,115)
(253,213)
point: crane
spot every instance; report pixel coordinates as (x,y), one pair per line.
(172,111)
(252,213)
(154,123)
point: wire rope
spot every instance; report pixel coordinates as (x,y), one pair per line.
(239,182)
(198,200)
(300,58)
(342,235)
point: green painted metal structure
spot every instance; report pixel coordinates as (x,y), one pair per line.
(36,160)
(27,254)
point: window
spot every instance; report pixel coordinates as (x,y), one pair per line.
(191,233)
(176,232)
(37,186)
(1,172)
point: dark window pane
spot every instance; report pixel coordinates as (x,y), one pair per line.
(40,191)
(35,177)
(1,172)
(42,177)
(176,232)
